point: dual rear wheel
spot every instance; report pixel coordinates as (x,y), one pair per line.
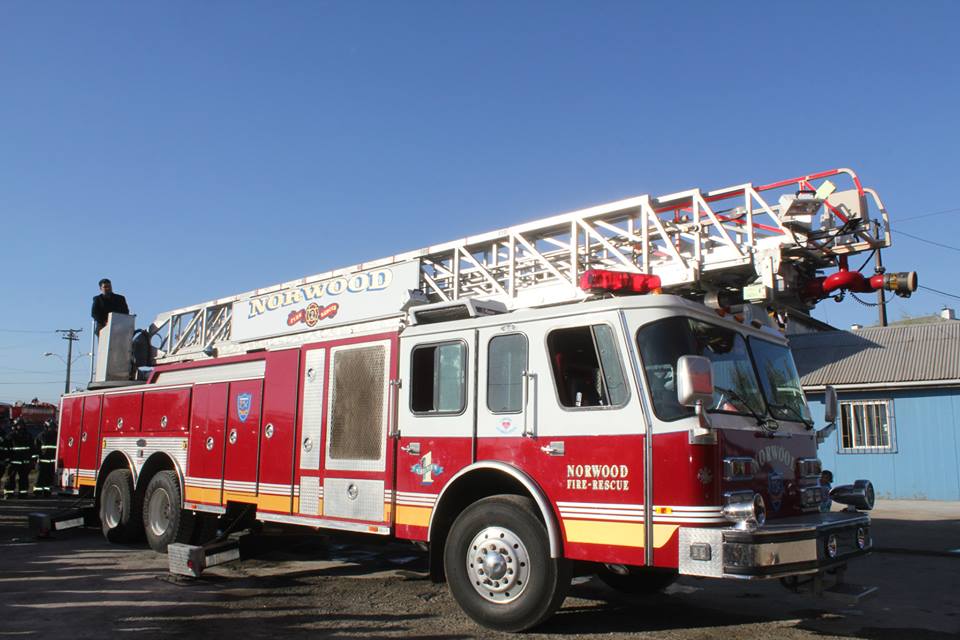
(158,517)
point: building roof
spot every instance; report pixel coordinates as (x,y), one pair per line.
(899,355)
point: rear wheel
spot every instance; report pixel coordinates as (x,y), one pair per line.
(638,580)
(119,510)
(498,565)
(163,519)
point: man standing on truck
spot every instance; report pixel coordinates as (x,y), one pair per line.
(106,303)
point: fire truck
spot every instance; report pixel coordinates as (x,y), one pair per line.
(605,391)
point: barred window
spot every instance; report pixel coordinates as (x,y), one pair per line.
(867,426)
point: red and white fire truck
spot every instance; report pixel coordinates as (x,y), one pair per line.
(608,389)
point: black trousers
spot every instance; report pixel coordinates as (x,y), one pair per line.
(44,476)
(18,478)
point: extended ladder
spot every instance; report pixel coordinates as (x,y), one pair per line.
(761,242)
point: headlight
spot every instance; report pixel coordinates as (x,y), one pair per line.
(735,469)
(859,495)
(745,509)
(811,497)
(809,468)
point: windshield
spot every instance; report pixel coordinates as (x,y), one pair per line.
(781,384)
(735,386)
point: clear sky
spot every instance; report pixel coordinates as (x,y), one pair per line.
(194,150)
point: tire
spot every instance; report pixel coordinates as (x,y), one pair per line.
(164,521)
(120,518)
(639,580)
(516,585)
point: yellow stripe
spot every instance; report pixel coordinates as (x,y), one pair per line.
(202,494)
(239,496)
(413,516)
(296,504)
(86,482)
(274,503)
(621,534)
(387,508)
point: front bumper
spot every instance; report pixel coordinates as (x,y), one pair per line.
(787,547)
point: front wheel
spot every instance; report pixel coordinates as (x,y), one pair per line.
(498,565)
(163,519)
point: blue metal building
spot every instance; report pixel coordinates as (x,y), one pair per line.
(899,393)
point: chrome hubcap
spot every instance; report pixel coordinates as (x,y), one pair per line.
(160,512)
(498,565)
(112,506)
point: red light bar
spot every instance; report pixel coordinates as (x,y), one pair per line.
(602,280)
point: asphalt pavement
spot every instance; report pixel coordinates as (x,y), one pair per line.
(299,584)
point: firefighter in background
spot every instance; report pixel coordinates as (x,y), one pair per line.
(45,448)
(20,447)
(4,452)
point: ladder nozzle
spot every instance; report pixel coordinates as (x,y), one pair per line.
(902,283)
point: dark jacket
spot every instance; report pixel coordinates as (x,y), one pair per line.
(102,305)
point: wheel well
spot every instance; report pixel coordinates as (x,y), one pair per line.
(154,464)
(465,490)
(116,460)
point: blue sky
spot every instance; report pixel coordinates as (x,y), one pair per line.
(190,151)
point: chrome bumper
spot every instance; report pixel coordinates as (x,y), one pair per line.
(787,547)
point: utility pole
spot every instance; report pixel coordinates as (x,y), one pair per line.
(71,336)
(881,300)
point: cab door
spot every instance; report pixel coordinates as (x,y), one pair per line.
(358,453)
(436,422)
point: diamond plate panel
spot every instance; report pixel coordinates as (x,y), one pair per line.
(310,496)
(314,379)
(355,499)
(712,568)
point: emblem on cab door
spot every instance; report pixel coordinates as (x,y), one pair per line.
(426,469)
(244,400)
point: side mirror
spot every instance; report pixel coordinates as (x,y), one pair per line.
(694,380)
(830,404)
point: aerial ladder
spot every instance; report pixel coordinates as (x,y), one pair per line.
(767,245)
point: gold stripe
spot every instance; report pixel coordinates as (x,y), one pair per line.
(413,516)
(387,508)
(621,534)
(203,494)
(296,504)
(239,496)
(274,503)
(86,482)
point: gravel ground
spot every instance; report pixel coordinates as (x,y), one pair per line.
(298,586)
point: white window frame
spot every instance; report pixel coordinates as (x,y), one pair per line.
(850,410)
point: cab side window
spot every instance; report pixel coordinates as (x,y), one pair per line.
(586,367)
(438,379)
(506,362)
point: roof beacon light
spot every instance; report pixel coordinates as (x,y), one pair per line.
(619,282)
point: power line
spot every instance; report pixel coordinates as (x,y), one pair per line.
(943,293)
(932,213)
(35,382)
(945,246)
(23,331)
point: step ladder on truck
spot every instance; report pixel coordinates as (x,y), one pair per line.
(607,390)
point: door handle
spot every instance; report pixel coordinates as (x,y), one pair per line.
(525,377)
(553,449)
(413,448)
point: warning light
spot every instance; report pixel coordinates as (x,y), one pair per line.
(603,280)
